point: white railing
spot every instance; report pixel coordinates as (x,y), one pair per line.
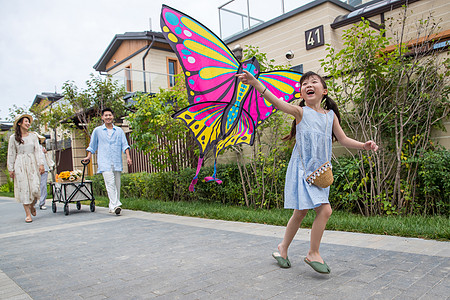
(236,16)
(143,81)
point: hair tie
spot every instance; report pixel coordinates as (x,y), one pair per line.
(262,94)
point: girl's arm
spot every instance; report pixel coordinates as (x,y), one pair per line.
(247,78)
(345,141)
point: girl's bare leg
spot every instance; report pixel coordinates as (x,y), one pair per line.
(323,213)
(291,230)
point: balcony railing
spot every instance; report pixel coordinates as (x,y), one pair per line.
(143,81)
(236,16)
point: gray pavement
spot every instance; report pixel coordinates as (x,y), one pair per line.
(153,256)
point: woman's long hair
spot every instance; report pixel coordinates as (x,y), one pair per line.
(328,104)
(18,133)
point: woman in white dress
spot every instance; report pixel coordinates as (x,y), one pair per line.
(25,164)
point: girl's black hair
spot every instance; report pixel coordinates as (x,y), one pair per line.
(328,104)
(18,133)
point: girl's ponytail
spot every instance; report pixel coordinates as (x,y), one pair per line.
(329,104)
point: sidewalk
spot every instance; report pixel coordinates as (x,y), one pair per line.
(142,255)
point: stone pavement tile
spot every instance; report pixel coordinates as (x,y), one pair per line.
(144,256)
(96,297)
(441,288)
(354,289)
(442,269)
(289,293)
(19,297)
(385,294)
(10,291)
(200,294)
(417,291)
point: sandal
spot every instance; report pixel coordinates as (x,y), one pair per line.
(33,210)
(318,267)
(28,220)
(282,262)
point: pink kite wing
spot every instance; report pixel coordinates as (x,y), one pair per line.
(208,64)
(283,84)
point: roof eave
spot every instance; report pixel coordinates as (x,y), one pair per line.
(117,41)
(379,10)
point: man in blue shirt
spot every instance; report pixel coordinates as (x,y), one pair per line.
(110,142)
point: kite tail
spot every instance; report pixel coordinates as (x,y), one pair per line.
(213,177)
(195,179)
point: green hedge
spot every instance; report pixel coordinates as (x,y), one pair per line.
(170,186)
(433,184)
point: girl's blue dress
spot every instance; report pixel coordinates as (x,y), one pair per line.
(311,141)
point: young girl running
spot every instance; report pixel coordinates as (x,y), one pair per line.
(316,123)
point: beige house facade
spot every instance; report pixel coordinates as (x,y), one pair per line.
(299,37)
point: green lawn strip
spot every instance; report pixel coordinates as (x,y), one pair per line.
(7,194)
(430,227)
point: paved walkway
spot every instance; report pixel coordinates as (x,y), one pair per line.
(152,256)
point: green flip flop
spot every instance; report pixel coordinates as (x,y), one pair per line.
(282,262)
(318,267)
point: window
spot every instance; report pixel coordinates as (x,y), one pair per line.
(128,78)
(172,69)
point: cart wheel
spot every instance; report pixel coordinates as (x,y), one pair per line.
(54,207)
(78,205)
(92,206)
(66,209)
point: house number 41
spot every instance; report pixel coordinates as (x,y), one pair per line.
(314,37)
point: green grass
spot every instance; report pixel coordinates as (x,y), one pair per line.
(7,194)
(430,227)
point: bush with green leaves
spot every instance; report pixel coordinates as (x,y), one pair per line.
(434,183)
(345,193)
(3,149)
(173,186)
(9,185)
(395,98)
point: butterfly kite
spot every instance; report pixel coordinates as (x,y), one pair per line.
(223,111)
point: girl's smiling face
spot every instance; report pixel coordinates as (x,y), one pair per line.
(312,90)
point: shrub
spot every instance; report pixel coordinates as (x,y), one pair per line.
(346,193)
(434,182)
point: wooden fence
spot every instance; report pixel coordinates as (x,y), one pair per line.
(183,152)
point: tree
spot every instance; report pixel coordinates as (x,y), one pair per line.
(156,133)
(81,109)
(394,96)
(85,105)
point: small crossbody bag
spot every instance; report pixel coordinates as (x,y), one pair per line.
(322,176)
